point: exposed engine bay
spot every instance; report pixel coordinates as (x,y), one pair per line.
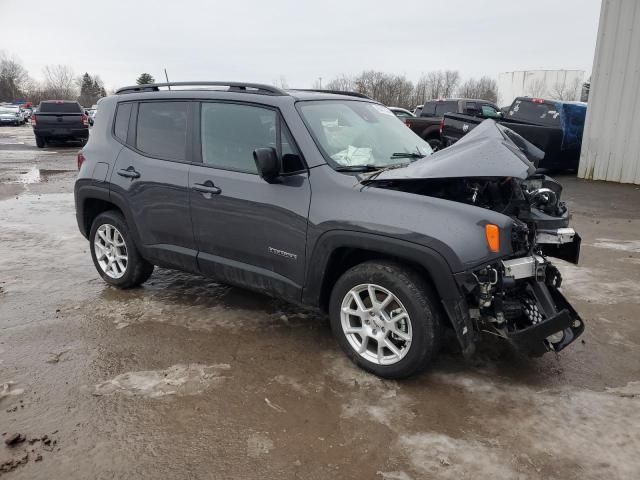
(516,297)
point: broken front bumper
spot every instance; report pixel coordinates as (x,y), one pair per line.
(560,326)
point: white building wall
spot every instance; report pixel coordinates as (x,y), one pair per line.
(611,140)
(537,83)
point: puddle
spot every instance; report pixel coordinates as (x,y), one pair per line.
(36,175)
(179,380)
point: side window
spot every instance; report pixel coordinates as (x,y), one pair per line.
(121,125)
(489,112)
(162,129)
(231,132)
(472,108)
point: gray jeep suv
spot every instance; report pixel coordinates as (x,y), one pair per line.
(329,201)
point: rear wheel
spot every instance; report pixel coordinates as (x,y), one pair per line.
(40,142)
(114,253)
(386,319)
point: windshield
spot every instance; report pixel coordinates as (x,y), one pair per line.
(353,133)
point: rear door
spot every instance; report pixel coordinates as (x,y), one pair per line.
(249,232)
(155,164)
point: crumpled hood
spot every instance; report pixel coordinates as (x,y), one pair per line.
(489,150)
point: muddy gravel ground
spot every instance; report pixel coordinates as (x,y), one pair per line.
(185,378)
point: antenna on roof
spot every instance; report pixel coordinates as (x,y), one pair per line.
(167,77)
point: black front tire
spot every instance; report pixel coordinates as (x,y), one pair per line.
(420,302)
(138,270)
(40,142)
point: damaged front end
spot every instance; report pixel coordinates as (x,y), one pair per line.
(514,293)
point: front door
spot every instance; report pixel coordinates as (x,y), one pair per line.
(249,232)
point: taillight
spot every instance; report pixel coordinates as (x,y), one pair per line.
(80,159)
(85,120)
(537,100)
(441,125)
(33,119)
(408,123)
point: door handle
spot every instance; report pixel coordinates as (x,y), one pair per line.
(129,173)
(207,187)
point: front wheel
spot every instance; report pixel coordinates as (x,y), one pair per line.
(114,253)
(386,319)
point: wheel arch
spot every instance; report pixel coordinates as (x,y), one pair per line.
(337,251)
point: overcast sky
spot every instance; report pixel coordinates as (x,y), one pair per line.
(262,40)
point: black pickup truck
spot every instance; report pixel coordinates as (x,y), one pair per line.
(60,120)
(553,126)
(428,121)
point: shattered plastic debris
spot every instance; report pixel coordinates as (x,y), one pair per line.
(178,380)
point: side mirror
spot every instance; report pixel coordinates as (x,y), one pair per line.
(267,162)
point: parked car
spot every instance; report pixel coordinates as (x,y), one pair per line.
(553,126)
(11,114)
(401,113)
(428,121)
(60,120)
(395,244)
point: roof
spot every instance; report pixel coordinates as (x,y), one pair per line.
(216,88)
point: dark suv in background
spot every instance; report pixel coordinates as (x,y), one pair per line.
(60,120)
(329,201)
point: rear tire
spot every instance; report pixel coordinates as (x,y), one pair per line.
(114,252)
(40,142)
(403,336)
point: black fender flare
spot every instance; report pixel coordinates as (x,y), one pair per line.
(90,191)
(429,259)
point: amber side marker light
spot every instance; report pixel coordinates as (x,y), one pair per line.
(492,232)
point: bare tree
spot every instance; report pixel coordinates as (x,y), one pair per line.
(484,88)
(60,82)
(13,78)
(537,88)
(568,91)
(434,85)
(342,83)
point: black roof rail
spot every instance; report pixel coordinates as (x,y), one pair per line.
(233,87)
(335,92)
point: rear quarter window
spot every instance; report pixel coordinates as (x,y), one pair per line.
(63,107)
(121,124)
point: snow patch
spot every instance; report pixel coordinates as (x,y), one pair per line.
(258,445)
(9,389)
(612,244)
(177,380)
(440,456)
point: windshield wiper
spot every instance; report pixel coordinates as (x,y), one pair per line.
(414,155)
(372,176)
(357,168)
